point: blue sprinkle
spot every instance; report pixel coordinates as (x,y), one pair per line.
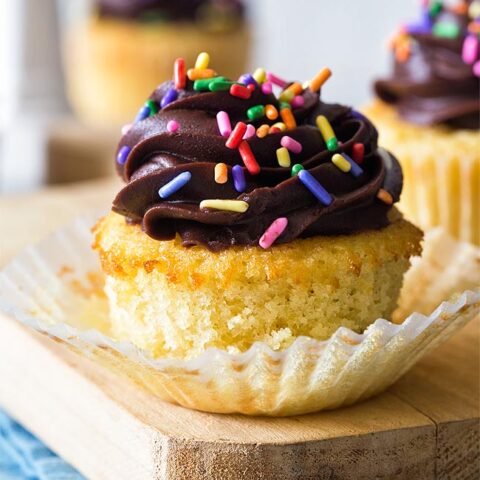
(239,178)
(314,186)
(355,170)
(122,154)
(169,97)
(247,79)
(175,184)
(143,114)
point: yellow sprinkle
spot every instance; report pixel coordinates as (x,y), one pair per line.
(325,128)
(341,163)
(280,125)
(221,173)
(259,75)
(203,60)
(262,131)
(287,95)
(228,205)
(283,157)
(319,79)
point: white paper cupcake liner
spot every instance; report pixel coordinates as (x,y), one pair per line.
(55,288)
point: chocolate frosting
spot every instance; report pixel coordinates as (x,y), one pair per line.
(434,85)
(157,156)
(166,9)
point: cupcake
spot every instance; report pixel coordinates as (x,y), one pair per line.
(252,212)
(428,113)
(125,48)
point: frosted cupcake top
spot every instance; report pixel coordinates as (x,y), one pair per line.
(436,67)
(252,162)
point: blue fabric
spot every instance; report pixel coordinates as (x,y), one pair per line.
(24,457)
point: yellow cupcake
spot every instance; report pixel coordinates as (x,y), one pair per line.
(112,64)
(441,169)
(175,302)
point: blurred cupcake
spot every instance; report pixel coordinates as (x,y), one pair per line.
(250,217)
(125,49)
(428,112)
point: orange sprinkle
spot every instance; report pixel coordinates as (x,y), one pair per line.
(460,8)
(288,118)
(319,79)
(402,52)
(221,173)
(385,197)
(262,130)
(271,112)
(296,88)
(200,73)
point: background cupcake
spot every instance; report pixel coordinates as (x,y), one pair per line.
(428,113)
(127,47)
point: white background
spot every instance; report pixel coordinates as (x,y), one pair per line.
(296,38)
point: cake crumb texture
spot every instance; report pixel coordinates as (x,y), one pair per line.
(177,302)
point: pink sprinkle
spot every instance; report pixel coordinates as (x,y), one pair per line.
(126,128)
(267,88)
(276,80)
(172,126)
(297,101)
(470,49)
(250,132)
(476,69)
(224,125)
(273,232)
(290,144)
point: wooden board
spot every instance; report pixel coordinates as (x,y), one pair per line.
(425,427)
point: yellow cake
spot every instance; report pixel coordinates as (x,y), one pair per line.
(111,63)
(174,302)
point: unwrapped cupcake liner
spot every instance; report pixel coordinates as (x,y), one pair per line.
(55,288)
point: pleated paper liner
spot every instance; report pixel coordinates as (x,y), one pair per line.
(56,288)
(441,167)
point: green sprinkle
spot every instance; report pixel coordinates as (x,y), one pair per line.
(296,168)
(220,85)
(202,84)
(256,112)
(152,105)
(283,105)
(446,30)
(332,144)
(435,8)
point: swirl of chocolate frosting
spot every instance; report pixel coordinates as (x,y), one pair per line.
(434,85)
(156,156)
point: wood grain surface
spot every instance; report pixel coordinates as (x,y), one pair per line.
(425,427)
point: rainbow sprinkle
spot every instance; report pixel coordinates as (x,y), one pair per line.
(273,232)
(315,187)
(174,185)
(238,206)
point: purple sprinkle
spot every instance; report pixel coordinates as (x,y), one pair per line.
(142,114)
(359,116)
(355,170)
(312,184)
(239,178)
(122,154)
(169,97)
(247,79)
